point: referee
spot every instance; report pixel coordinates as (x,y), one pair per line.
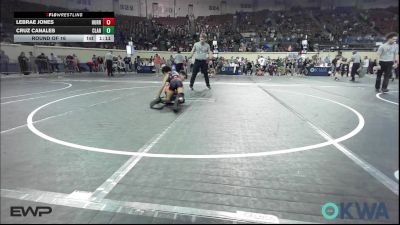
(356,59)
(388,54)
(201,50)
(109,61)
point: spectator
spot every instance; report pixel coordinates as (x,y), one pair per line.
(157,63)
(163,62)
(365,65)
(95,63)
(69,64)
(136,64)
(76,63)
(249,67)
(344,67)
(32,63)
(262,62)
(371,66)
(100,64)
(90,64)
(178,59)
(356,59)
(128,63)
(23,63)
(4,61)
(326,61)
(42,63)
(53,63)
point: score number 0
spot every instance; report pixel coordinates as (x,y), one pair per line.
(108,21)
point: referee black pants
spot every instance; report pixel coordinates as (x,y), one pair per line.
(386,69)
(109,67)
(354,69)
(200,65)
(179,67)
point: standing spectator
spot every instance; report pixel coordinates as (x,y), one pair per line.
(32,63)
(327,61)
(371,66)
(94,63)
(215,42)
(109,62)
(243,65)
(280,65)
(76,63)
(189,65)
(163,62)
(90,64)
(344,67)
(69,64)
(127,61)
(299,67)
(185,66)
(261,60)
(365,65)
(179,61)
(53,63)
(396,72)
(338,66)
(334,64)
(41,61)
(157,63)
(121,64)
(23,63)
(289,67)
(4,61)
(356,59)
(388,55)
(135,64)
(249,67)
(100,64)
(48,64)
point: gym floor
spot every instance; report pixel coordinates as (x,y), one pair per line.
(251,149)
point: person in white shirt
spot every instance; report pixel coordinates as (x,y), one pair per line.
(53,63)
(234,65)
(215,43)
(365,65)
(326,61)
(262,61)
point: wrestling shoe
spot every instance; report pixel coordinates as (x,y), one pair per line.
(155,102)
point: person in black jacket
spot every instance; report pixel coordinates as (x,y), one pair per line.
(249,68)
(128,63)
(344,67)
(23,63)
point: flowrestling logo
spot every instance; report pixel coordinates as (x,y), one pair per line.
(355,210)
(319,69)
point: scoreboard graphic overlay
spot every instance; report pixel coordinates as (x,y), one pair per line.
(64,27)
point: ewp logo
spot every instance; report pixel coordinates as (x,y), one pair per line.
(20,210)
(375,211)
